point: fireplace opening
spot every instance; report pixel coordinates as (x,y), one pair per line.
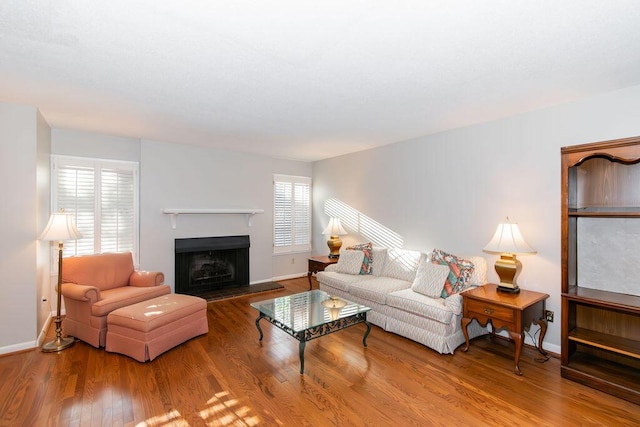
(210,264)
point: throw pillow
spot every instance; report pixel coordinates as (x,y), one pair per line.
(350,262)
(459,275)
(402,264)
(430,279)
(367,261)
(378,255)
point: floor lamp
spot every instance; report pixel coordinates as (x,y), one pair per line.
(60,227)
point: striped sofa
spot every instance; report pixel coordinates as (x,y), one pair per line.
(396,307)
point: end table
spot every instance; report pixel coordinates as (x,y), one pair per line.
(513,312)
(319,263)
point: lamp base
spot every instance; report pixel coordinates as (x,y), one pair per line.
(58,344)
(508,290)
(334,244)
(508,268)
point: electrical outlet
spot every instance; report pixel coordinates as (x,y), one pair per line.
(293,260)
(548,314)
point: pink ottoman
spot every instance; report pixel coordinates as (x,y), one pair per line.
(147,329)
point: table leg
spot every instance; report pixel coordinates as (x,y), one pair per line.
(543,331)
(464,323)
(301,346)
(309,277)
(517,338)
(366,334)
(258,325)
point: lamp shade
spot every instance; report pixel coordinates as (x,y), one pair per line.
(508,239)
(334,228)
(61,226)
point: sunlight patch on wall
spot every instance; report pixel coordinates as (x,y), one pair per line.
(355,220)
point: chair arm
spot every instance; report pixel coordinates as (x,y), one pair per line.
(81,292)
(144,279)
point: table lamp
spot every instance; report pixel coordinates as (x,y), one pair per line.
(334,230)
(508,241)
(61,226)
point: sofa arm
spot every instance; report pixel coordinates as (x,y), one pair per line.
(454,303)
(331,267)
(145,279)
(80,292)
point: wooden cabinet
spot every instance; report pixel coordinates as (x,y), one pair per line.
(601,266)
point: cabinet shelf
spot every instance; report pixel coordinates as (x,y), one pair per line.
(605,375)
(607,342)
(612,300)
(605,212)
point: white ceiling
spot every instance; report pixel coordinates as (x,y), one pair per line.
(307,79)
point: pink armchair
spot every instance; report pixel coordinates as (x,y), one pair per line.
(95,285)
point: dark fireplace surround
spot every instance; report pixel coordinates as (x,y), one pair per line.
(209,264)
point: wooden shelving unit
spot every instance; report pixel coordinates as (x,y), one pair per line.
(600,327)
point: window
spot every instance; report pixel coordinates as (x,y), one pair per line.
(103,196)
(292,214)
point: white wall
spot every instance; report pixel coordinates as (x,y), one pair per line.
(94,145)
(184,176)
(450,190)
(18,227)
(45,291)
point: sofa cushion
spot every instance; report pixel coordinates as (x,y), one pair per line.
(104,271)
(113,299)
(367,260)
(460,275)
(421,305)
(378,258)
(350,262)
(430,279)
(401,264)
(377,288)
(340,281)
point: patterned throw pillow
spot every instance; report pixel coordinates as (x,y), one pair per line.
(430,279)
(367,262)
(459,275)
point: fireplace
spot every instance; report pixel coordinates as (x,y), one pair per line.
(209,264)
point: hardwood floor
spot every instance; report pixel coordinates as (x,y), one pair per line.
(229,378)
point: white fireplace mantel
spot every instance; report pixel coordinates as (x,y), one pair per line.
(175,212)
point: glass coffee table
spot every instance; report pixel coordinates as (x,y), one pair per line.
(309,315)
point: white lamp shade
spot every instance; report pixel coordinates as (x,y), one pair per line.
(334,228)
(508,239)
(61,226)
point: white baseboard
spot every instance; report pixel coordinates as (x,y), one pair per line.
(551,348)
(275,279)
(45,329)
(289,276)
(18,347)
(31,344)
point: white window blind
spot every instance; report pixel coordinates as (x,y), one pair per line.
(292,214)
(103,196)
